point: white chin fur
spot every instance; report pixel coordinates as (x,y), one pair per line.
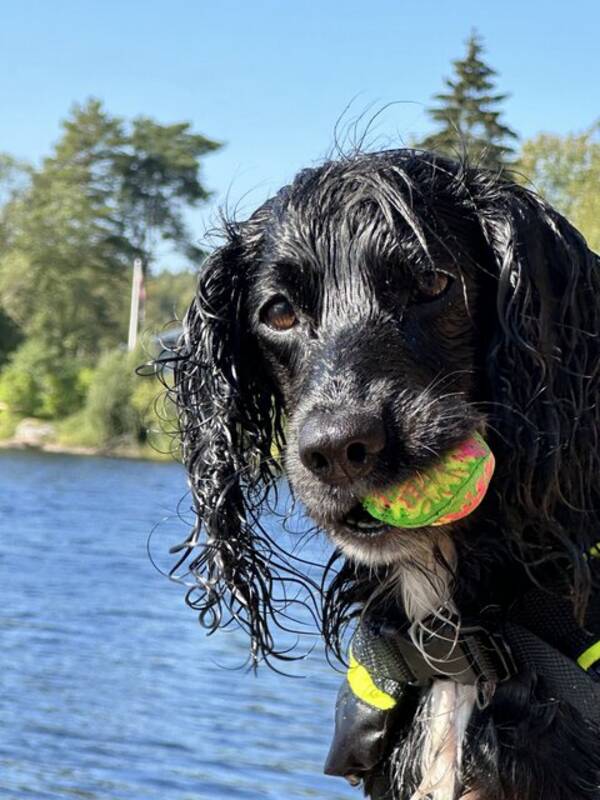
(426,589)
(392,547)
(369,555)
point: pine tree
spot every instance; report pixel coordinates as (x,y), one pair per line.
(468,113)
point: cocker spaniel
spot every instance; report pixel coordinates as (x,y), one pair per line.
(360,324)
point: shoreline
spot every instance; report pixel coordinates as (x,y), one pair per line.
(131,453)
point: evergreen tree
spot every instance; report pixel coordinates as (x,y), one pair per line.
(468,113)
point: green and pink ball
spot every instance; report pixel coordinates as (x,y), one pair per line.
(445,493)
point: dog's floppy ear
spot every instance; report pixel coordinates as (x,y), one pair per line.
(543,369)
(229,420)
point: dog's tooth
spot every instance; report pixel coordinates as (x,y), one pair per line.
(368,525)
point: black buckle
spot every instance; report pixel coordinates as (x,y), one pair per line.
(466,654)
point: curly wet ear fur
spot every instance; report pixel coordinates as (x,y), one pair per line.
(543,372)
(230,420)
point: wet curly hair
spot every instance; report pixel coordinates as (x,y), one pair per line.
(539,354)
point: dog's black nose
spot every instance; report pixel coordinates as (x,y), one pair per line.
(339,448)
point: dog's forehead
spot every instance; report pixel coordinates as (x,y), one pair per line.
(361,217)
(311,240)
(358,248)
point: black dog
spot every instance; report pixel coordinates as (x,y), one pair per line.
(364,321)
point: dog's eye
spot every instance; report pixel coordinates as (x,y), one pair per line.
(430,285)
(278,314)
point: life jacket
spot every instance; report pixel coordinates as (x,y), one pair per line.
(387,672)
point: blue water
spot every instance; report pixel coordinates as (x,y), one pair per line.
(108,686)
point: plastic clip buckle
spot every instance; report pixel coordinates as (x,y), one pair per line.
(468,655)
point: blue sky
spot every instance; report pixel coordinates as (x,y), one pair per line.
(269,78)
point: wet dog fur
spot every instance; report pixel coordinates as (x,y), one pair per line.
(428,298)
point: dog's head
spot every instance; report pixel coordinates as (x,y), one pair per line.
(361,323)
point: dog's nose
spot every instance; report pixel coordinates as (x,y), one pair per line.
(339,448)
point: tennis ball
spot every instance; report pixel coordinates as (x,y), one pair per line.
(446,492)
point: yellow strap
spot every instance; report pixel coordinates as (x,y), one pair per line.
(592,654)
(364,688)
(589,656)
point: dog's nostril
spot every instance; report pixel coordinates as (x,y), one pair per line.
(317,461)
(356,453)
(340,448)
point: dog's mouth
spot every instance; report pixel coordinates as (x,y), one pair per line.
(367,540)
(394,521)
(359,522)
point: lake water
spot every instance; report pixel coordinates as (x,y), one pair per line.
(108,687)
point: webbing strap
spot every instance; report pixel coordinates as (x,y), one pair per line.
(364,687)
(551,619)
(589,657)
(385,660)
(563,679)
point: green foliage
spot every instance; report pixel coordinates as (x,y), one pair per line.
(566,171)
(70,234)
(10,337)
(109,413)
(157,172)
(61,280)
(168,295)
(63,277)
(157,415)
(36,382)
(468,113)
(14,176)
(75,431)
(8,423)
(122,410)
(145,173)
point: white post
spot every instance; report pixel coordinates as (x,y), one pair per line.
(136,290)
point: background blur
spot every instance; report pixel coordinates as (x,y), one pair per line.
(125,127)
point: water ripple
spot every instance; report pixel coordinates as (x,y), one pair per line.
(108,688)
